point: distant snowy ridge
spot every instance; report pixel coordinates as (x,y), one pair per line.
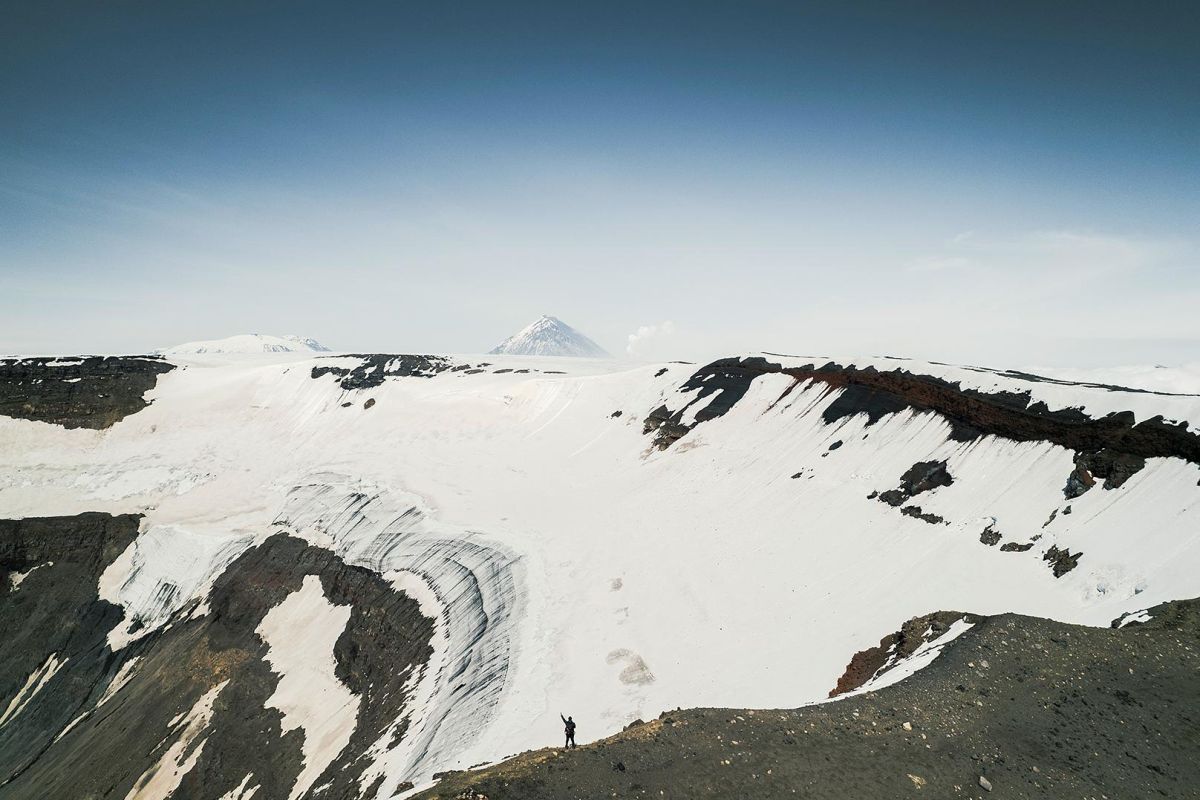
(247,343)
(549,336)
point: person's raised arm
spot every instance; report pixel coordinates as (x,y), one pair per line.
(560,716)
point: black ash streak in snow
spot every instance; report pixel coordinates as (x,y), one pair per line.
(477,587)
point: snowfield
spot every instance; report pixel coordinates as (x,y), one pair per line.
(247,343)
(740,567)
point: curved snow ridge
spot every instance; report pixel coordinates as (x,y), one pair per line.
(476,589)
(163,569)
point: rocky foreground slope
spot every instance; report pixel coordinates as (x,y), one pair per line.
(1015,707)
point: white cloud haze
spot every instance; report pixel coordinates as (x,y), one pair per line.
(647,340)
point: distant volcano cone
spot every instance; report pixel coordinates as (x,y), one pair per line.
(549,336)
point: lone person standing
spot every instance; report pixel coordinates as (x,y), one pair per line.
(569,724)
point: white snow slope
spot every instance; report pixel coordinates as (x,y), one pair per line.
(247,343)
(549,336)
(621,580)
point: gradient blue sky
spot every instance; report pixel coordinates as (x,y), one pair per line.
(1013,183)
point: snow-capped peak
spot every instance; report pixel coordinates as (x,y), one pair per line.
(248,343)
(549,336)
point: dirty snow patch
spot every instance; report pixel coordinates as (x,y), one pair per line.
(33,684)
(161,780)
(301,633)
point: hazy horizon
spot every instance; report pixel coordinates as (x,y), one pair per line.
(1006,186)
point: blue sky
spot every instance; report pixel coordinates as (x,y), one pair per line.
(961,181)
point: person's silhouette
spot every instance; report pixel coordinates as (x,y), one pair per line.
(569,724)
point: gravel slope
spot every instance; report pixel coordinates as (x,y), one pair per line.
(1034,707)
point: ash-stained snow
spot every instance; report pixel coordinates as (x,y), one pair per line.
(301,633)
(15,579)
(549,336)
(161,780)
(33,684)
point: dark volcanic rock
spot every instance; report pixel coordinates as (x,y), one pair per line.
(923,476)
(990,536)
(375,369)
(1061,561)
(84,392)
(915,511)
(857,398)
(1013,547)
(1043,709)
(920,477)
(895,647)
(54,615)
(1114,467)
(664,422)
(107,750)
(1078,482)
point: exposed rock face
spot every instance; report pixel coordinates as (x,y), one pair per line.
(917,513)
(970,412)
(1078,482)
(85,392)
(1113,467)
(54,626)
(664,423)
(373,370)
(920,477)
(1061,561)
(200,690)
(1093,712)
(895,647)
